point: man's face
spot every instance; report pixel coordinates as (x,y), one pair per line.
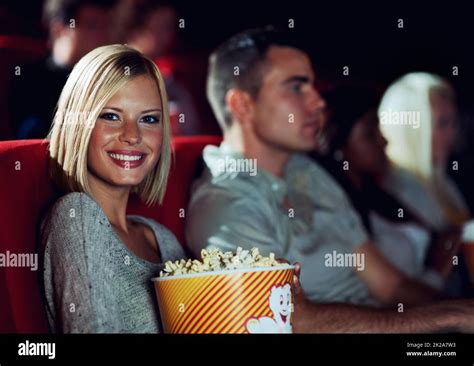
(288,109)
(91,29)
(161,31)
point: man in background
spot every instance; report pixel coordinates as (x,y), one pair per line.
(75,27)
(261,88)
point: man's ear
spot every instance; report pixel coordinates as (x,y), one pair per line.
(241,105)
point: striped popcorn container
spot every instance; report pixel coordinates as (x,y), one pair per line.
(256,300)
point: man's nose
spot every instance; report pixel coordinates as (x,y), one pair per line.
(316,101)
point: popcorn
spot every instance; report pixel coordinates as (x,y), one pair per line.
(216,260)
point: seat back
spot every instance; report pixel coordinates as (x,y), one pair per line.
(187,154)
(26,192)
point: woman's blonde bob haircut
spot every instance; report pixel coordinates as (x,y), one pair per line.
(409,146)
(91,84)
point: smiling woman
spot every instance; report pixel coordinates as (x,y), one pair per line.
(129,133)
(110,137)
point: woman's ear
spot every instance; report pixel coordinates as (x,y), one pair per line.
(241,106)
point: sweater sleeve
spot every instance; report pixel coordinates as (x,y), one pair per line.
(78,283)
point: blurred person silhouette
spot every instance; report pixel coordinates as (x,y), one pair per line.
(151,27)
(419,119)
(354,153)
(75,27)
(271,114)
(259,189)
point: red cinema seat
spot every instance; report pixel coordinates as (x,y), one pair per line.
(25,191)
(25,194)
(187,150)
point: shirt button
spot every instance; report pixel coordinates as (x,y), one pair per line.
(274,186)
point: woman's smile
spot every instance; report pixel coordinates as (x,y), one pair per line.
(127,159)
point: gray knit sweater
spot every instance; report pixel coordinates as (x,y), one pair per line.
(93,283)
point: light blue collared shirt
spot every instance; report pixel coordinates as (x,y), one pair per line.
(231,208)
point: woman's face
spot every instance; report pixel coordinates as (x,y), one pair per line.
(365,148)
(126,141)
(444,127)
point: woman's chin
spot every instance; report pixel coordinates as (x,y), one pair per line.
(126,181)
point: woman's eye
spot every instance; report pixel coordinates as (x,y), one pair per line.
(150,119)
(110,116)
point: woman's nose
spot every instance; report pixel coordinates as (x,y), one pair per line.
(130,133)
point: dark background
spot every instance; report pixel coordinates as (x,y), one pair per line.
(364,37)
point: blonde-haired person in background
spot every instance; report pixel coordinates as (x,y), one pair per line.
(110,137)
(418,117)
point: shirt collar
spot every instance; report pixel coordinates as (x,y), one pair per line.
(215,158)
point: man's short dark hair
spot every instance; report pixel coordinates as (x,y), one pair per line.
(239,63)
(65,10)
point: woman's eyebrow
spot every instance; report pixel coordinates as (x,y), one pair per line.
(152,110)
(113,108)
(145,111)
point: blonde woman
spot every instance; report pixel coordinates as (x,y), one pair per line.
(110,137)
(418,117)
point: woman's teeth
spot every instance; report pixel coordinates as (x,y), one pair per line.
(125,157)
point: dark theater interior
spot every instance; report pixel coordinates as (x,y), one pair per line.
(202,167)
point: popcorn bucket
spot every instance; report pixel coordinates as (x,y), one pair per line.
(256,300)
